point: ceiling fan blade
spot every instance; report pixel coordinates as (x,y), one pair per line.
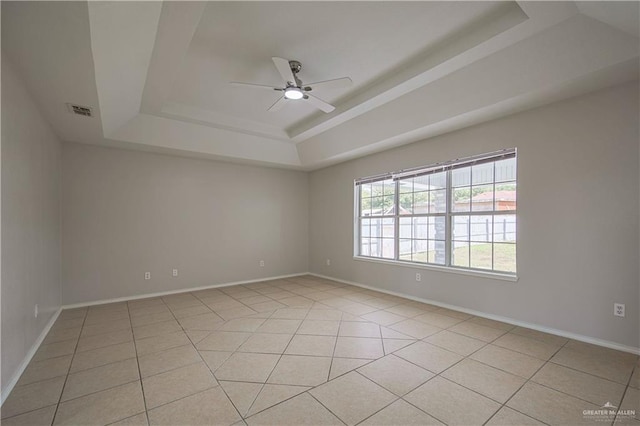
(337,83)
(284,69)
(255,86)
(319,103)
(278,104)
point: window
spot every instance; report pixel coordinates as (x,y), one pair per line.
(459,214)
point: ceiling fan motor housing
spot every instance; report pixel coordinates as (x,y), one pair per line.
(295,66)
(295,69)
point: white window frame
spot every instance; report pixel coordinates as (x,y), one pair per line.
(449,215)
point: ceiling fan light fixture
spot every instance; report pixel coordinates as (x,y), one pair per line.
(293,93)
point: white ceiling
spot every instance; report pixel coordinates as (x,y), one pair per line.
(157,74)
(235,42)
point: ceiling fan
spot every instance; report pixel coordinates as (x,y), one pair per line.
(294,89)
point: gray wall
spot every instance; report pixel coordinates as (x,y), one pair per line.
(578,187)
(30,222)
(127,212)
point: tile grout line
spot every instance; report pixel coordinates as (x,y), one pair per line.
(135,348)
(201,359)
(312,387)
(450,367)
(524,384)
(276,365)
(55,414)
(337,335)
(626,389)
(397,397)
(333,354)
(49,379)
(550,361)
(324,406)
(635,367)
(264,384)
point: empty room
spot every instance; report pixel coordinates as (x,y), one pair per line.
(320,213)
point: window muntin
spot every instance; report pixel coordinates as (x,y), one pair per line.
(460,214)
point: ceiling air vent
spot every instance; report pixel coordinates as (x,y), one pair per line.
(80,110)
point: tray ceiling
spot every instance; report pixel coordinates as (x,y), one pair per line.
(157,74)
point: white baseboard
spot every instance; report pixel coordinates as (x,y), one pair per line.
(34,348)
(182,290)
(27,359)
(562,333)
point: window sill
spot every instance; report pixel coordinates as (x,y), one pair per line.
(448,269)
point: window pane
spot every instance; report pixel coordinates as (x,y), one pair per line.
(505,170)
(504,257)
(437,228)
(482,198)
(506,195)
(389,187)
(365,207)
(461,199)
(460,254)
(421,183)
(365,190)
(481,256)
(504,228)
(406,203)
(438,201)
(419,249)
(461,177)
(365,245)
(406,185)
(375,247)
(377,204)
(377,189)
(438,180)
(420,202)
(420,229)
(365,199)
(388,228)
(389,201)
(481,228)
(482,173)
(376,228)
(438,254)
(388,248)
(405,227)
(365,228)
(460,229)
(405,249)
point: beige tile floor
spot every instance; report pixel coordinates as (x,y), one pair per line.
(310,351)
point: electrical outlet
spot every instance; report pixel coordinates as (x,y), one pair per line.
(261,263)
(418,276)
(174,272)
(618,309)
(147,275)
(35,311)
(328,262)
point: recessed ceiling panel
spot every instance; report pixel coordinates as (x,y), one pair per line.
(366,41)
